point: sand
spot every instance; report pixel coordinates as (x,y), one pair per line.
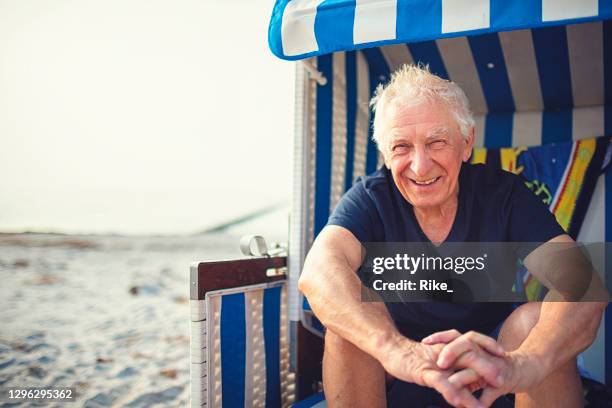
(105,314)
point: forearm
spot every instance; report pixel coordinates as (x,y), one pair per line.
(564,329)
(334,293)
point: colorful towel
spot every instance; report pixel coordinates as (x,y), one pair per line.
(563,175)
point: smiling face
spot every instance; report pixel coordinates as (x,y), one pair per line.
(424,153)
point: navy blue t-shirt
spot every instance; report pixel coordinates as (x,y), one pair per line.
(493,206)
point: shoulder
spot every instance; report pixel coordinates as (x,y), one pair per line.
(490,186)
(489,178)
(373,187)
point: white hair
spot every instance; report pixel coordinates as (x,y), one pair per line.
(412,85)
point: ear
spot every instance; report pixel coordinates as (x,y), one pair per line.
(468,145)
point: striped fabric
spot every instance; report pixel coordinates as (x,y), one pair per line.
(239,353)
(304,28)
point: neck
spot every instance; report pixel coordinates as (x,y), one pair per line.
(437,214)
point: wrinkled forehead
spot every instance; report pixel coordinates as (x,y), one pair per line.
(429,119)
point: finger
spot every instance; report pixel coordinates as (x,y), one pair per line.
(467,342)
(441,337)
(464,343)
(489,395)
(456,397)
(464,378)
(486,342)
(484,365)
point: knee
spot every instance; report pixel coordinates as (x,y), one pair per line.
(518,325)
(337,345)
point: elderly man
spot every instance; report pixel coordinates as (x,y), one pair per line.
(420,354)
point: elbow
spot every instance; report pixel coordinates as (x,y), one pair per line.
(305,282)
(590,333)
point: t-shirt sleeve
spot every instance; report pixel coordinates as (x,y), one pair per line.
(357,213)
(530,220)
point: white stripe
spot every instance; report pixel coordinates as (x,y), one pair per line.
(287,378)
(553,10)
(521,65)
(215,390)
(462,15)
(396,55)
(301,215)
(338,129)
(527,129)
(374,20)
(312,160)
(587,122)
(363,116)
(585,47)
(297,28)
(255,355)
(459,62)
(480,130)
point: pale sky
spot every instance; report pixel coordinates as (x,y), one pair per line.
(140,116)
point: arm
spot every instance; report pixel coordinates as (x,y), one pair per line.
(564,329)
(330,283)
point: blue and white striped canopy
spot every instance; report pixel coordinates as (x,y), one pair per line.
(304,28)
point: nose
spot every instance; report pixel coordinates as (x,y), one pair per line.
(421,162)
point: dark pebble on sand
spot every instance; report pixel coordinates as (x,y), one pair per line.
(102,360)
(21,263)
(37,372)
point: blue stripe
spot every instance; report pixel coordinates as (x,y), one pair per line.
(379,72)
(498,130)
(427,52)
(351,116)
(429,18)
(506,13)
(334,24)
(323,144)
(607,49)
(552,59)
(605,9)
(556,126)
(271,323)
(233,349)
(491,66)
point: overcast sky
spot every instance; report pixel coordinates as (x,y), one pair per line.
(140,116)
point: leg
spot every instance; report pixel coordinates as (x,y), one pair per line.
(560,389)
(351,377)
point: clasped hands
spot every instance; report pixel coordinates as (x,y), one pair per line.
(458,364)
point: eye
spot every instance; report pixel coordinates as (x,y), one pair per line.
(437,144)
(400,148)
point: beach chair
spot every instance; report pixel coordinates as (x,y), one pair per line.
(537,73)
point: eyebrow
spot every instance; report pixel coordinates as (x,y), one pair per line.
(441,131)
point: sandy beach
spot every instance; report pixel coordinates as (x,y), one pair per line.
(105,314)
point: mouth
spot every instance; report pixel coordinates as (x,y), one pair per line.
(425,183)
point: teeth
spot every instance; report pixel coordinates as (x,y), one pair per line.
(424,183)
